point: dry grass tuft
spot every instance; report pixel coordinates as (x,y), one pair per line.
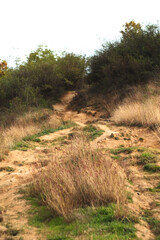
(28,124)
(15,133)
(33,117)
(82,177)
(139,109)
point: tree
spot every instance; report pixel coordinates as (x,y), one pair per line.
(130,61)
(41,54)
(131,29)
(3,67)
(72,70)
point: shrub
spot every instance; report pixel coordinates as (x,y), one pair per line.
(42,80)
(130,61)
(83,177)
(72,70)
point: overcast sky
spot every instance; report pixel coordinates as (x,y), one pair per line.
(79,26)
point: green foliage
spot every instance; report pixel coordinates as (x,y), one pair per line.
(32,138)
(98,223)
(9,169)
(151,167)
(156,189)
(126,150)
(153,223)
(22,146)
(60,140)
(129,197)
(35,137)
(147,157)
(42,79)
(12,232)
(115,157)
(72,69)
(3,67)
(92,131)
(130,61)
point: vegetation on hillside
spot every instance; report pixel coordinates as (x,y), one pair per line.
(82,191)
(41,80)
(44,77)
(140,107)
(83,177)
(3,67)
(132,60)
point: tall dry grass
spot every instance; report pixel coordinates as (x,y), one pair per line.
(141,108)
(81,177)
(29,123)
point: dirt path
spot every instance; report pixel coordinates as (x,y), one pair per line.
(18,166)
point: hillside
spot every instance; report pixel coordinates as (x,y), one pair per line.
(79,153)
(134,149)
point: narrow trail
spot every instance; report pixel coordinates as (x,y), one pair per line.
(18,165)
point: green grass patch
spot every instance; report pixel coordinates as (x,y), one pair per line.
(32,138)
(12,232)
(60,140)
(146,157)
(9,169)
(150,150)
(65,125)
(92,131)
(35,137)
(126,150)
(141,139)
(88,223)
(116,157)
(155,189)
(130,181)
(153,223)
(151,167)
(22,146)
(129,197)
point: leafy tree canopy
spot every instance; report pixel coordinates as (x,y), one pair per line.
(130,61)
(3,67)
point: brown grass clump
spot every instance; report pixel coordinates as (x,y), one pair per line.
(29,123)
(15,133)
(44,117)
(82,177)
(140,109)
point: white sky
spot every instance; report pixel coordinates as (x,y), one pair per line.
(79,26)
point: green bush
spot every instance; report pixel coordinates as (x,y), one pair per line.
(72,70)
(41,80)
(130,61)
